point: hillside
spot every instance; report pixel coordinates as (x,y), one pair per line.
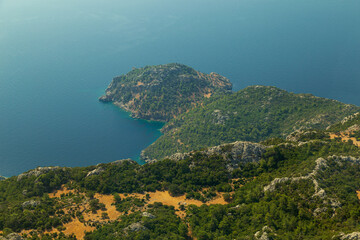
(275,190)
(259,164)
(252,114)
(164,91)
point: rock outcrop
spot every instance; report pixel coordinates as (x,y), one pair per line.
(321,164)
(135,227)
(350,236)
(234,153)
(263,234)
(30,203)
(39,171)
(148,215)
(12,236)
(122,161)
(96,171)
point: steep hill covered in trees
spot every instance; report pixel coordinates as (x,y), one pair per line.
(274,190)
(252,114)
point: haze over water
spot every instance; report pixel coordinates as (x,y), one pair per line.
(57,58)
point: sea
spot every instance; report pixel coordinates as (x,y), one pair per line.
(58,56)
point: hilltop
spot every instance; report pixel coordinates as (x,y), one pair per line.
(163,92)
(252,114)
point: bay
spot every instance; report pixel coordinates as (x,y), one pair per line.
(57,57)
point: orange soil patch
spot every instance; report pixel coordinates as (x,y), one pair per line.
(77,228)
(208,95)
(139,84)
(345,138)
(108,200)
(57,194)
(358,194)
(74,227)
(165,198)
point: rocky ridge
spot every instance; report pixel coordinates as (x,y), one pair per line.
(39,171)
(321,164)
(234,153)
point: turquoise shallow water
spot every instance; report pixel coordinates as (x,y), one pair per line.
(57,57)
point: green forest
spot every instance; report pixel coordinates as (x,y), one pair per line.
(292,210)
(252,114)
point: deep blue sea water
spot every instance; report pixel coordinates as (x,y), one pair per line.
(57,57)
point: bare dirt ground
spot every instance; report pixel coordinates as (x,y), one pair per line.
(78,228)
(208,95)
(345,137)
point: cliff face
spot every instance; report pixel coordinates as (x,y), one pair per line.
(162,92)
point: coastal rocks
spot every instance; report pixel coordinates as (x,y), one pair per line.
(38,171)
(31,203)
(105,98)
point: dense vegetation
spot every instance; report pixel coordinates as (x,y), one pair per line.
(164,225)
(164,91)
(252,114)
(289,212)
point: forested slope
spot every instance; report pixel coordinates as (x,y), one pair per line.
(290,190)
(252,114)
